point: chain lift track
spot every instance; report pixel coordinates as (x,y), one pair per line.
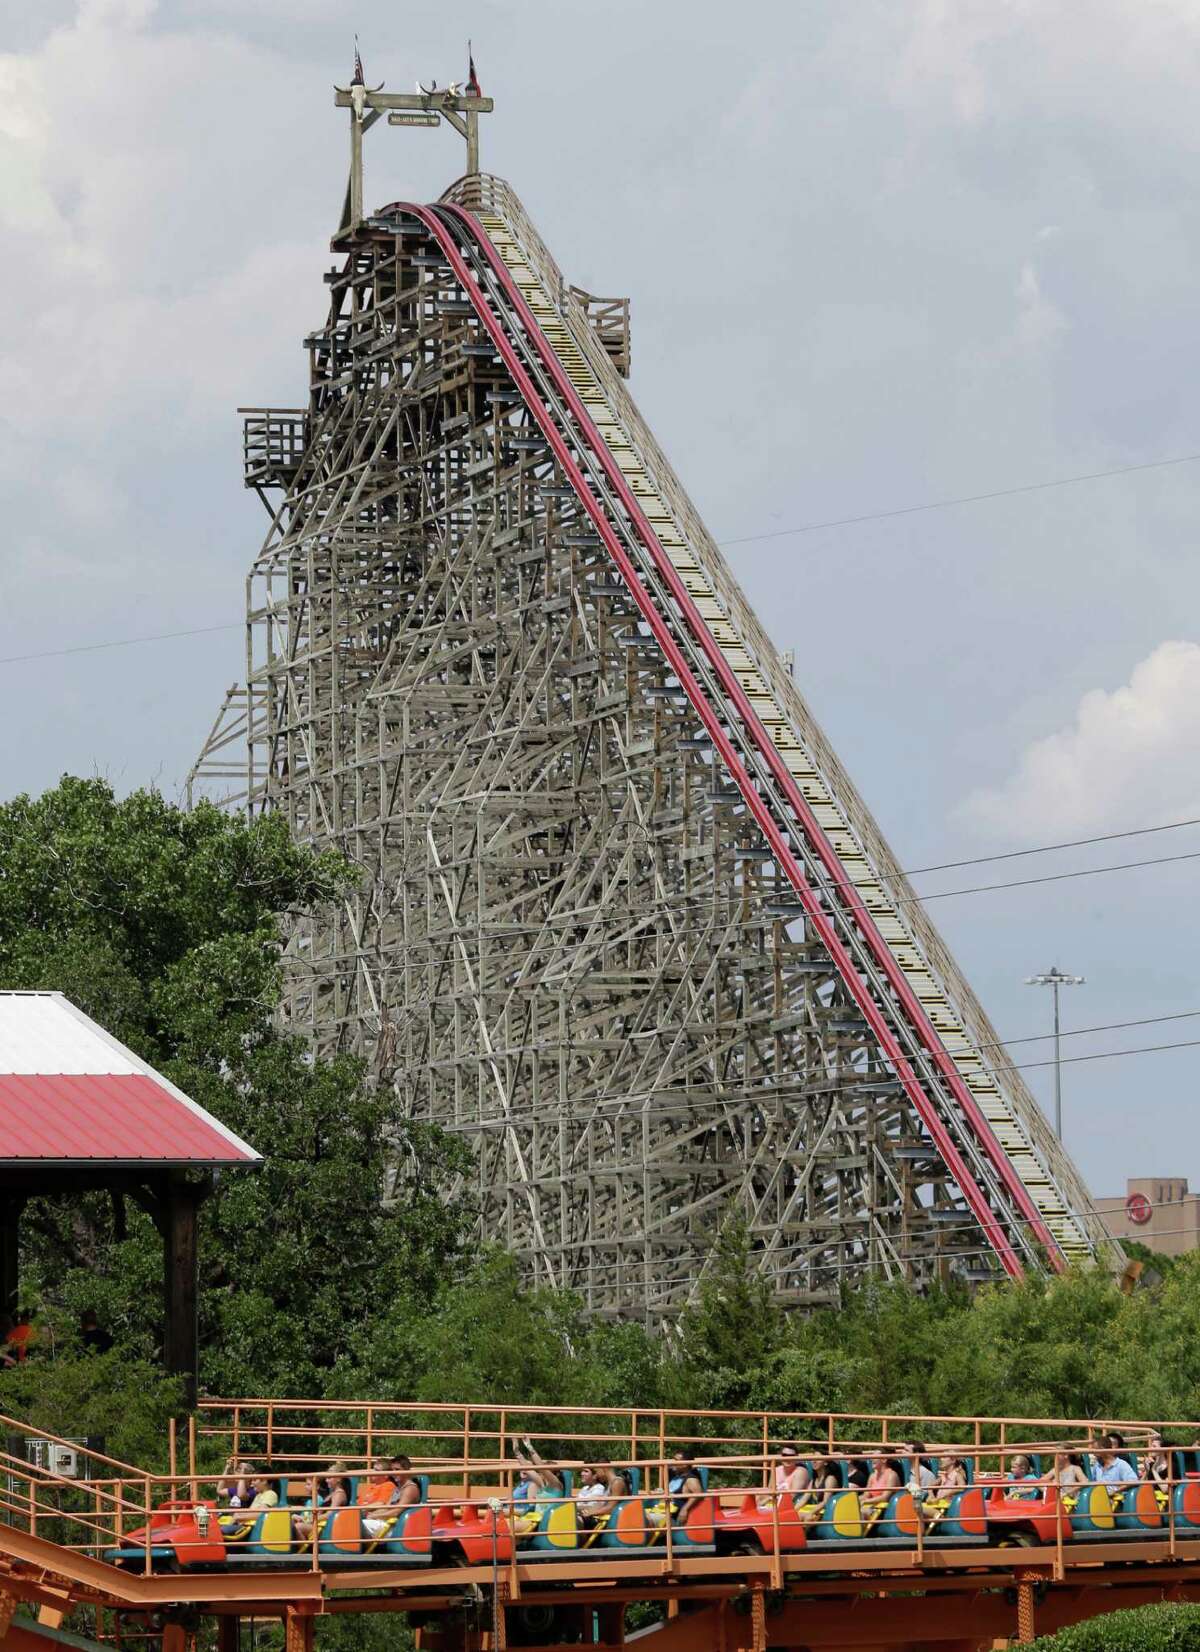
(928,1098)
(961,1106)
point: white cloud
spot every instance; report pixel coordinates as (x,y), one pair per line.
(1130,757)
(161,274)
(1039,321)
(137,227)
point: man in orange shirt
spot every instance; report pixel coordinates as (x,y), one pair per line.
(405,1493)
(375,1487)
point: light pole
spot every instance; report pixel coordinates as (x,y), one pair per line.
(1055,977)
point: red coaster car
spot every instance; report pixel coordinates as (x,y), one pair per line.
(1026,1511)
(471,1534)
(750,1528)
(180,1534)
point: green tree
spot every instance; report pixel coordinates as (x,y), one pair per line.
(1145,1629)
(165,925)
(735,1322)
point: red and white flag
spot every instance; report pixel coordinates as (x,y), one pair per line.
(474,89)
(358,68)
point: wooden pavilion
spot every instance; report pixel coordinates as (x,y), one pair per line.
(79,1113)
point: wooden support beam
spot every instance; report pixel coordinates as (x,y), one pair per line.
(180,1202)
(10,1236)
(571,943)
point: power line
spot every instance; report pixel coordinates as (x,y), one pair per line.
(1048,848)
(634,922)
(962,499)
(1052,877)
(783,1093)
(1079,1032)
(1106,1055)
(120,642)
(745,539)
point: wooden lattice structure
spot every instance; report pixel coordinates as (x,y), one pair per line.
(624,921)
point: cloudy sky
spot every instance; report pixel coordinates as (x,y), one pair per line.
(881,253)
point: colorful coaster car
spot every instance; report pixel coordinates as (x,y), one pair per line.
(1185,1468)
(181,1533)
(477,1532)
(406,1535)
(549,1522)
(754,1525)
(841,1519)
(1102,1510)
(626,1527)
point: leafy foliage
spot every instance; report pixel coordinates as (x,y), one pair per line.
(125,1403)
(1146,1629)
(165,926)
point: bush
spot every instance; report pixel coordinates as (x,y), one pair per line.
(1148,1629)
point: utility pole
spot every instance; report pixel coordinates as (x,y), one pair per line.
(1055,978)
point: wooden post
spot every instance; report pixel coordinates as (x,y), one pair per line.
(180,1209)
(355,191)
(10,1218)
(472,142)
(229,1633)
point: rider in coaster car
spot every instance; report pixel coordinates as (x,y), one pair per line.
(406,1493)
(1066,1470)
(1107,1467)
(921,1477)
(886,1476)
(538,1483)
(683,1487)
(593,1489)
(826,1478)
(1157,1461)
(933,1501)
(263,1496)
(858,1470)
(600,1495)
(1020,1468)
(954,1476)
(791,1476)
(379,1487)
(333,1492)
(234,1488)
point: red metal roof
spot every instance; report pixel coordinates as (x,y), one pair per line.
(71,1094)
(105,1117)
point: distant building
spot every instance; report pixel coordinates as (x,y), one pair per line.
(1157,1211)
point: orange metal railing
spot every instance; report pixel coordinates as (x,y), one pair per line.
(469,1454)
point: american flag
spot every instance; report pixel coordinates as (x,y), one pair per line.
(473,87)
(358,68)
